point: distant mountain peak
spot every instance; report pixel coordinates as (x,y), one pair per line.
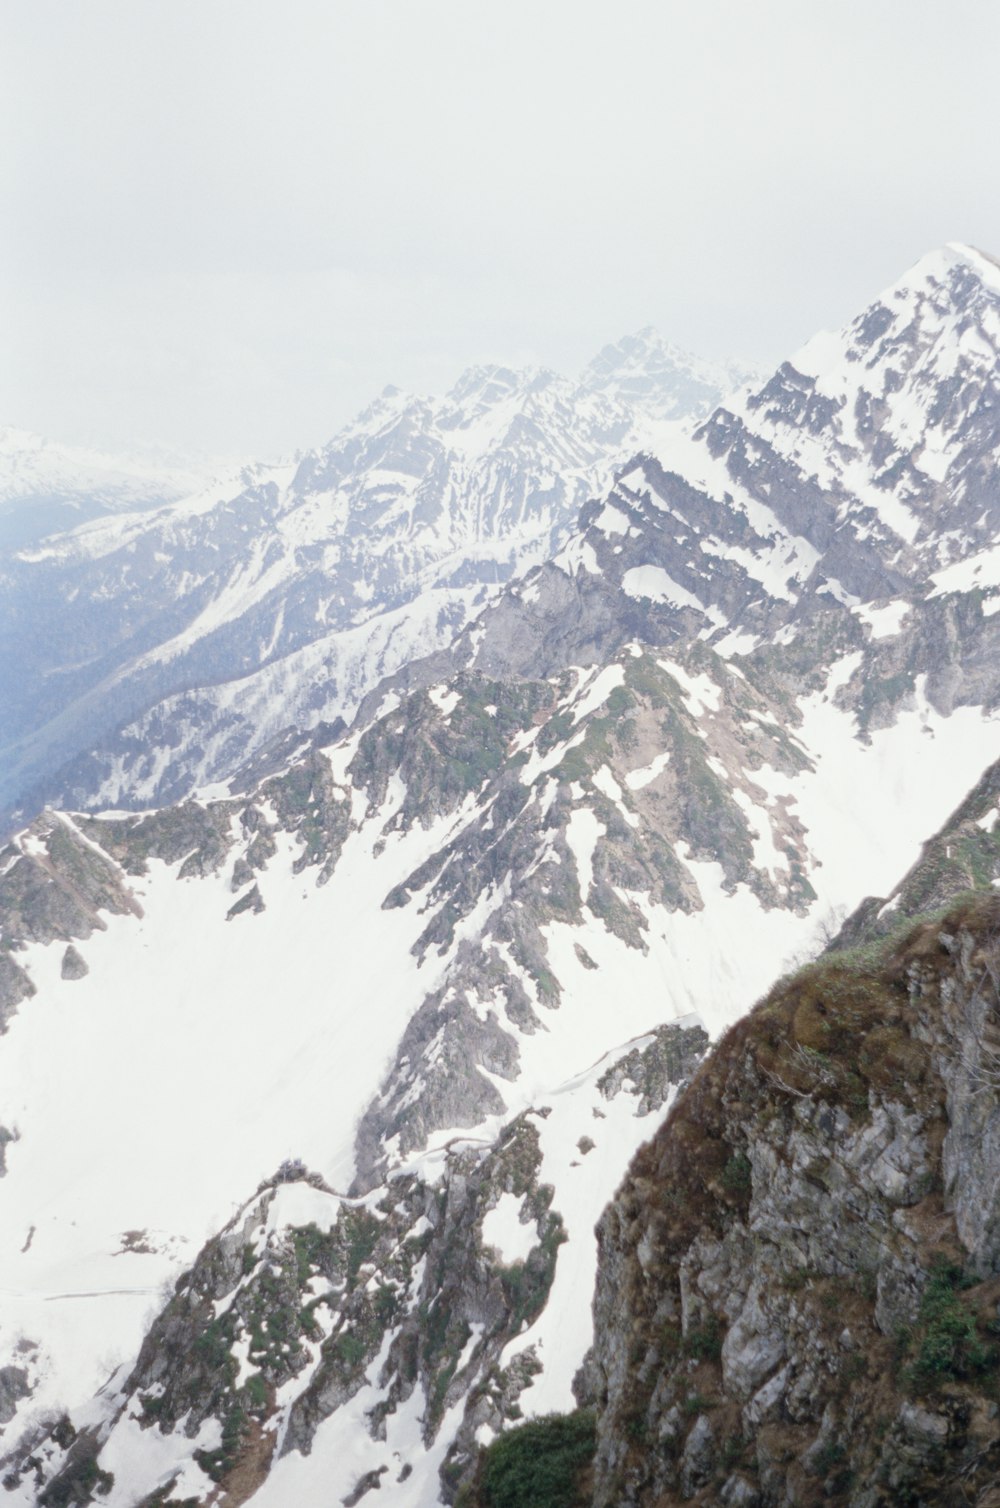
(649,369)
(489,382)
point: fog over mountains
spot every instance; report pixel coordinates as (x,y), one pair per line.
(396,829)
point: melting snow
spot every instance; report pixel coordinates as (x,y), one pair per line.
(503,1229)
(884,622)
(653,583)
(597,690)
(700,692)
(636,779)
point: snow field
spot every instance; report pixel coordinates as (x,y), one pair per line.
(211,1052)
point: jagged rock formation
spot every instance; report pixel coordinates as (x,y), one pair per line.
(831,505)
(798,1280)
(53,886)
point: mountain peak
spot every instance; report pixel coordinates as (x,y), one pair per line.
(648,368)
(982,263)
(914,311)
(940,265)
(489,382)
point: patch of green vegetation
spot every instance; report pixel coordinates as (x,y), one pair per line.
(619,702)
(361,1229)
(540,1464)
(555,731)
(637,1428)
(593,750)
(77,1483)
(447,1370)
(696,1403)
(647,680)
(218,1463)
(886,693)
(946,1339)
(273,1321)
(527,1284)
(829,1456)
(349,1349)
(715,822)
(385,1305)
(212,1346)
(310,1246)
(737,1177)
(305,800)
(442,758)
(704,1341)
(255,1392)
(734,1448)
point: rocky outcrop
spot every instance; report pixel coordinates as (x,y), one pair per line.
(54,885)
(799,1278)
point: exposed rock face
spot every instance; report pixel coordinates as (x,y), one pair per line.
(54,884)
(74,965)
(13,1386)
(798,1281)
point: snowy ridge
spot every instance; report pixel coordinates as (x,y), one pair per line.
(896,414)
(862,470)
(506,1228)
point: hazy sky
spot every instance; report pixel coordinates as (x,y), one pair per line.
(228,223)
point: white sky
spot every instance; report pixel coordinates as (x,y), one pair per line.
(228,223)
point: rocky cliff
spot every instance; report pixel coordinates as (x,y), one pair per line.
(799,1278)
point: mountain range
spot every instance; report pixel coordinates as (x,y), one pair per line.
(150,651)
(471,777)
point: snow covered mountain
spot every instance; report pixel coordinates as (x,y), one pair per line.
(661,379)
(864,470)
(181,640)
(47,487)
(412,997)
